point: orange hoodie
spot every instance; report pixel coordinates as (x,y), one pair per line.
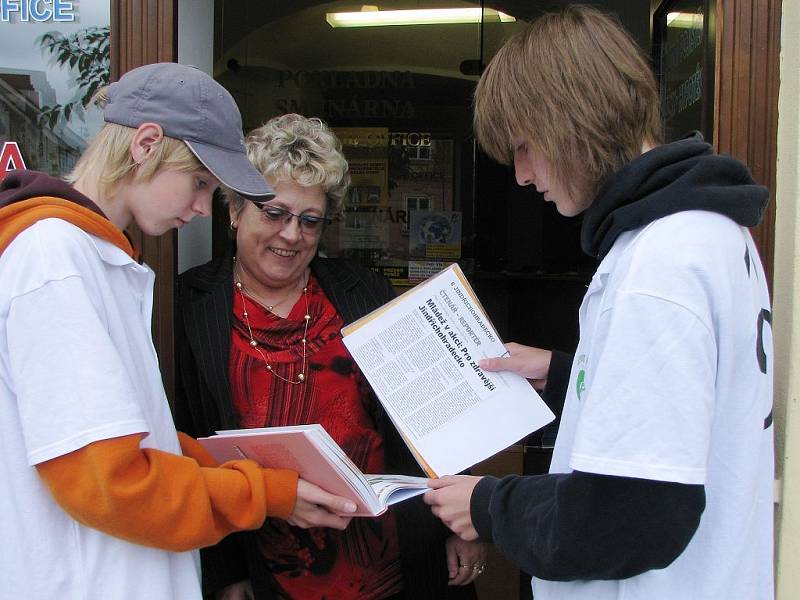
(142,495)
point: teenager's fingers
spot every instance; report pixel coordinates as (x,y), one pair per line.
(327,519)
(441,482)
(337,504)
(315,495)
(518,364)
(493,364)
(439,513)
(319,517)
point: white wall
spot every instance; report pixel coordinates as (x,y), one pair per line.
(786,305)
(195,47)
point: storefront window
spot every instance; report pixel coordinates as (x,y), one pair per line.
(399,98)
(424,195)
(54,57)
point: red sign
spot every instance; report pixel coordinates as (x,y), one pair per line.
(10,159)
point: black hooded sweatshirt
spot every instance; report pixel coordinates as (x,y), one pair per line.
(584,526)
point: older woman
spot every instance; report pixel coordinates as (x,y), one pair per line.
(260,345)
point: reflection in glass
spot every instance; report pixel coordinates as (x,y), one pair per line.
(48,73)
(399,98)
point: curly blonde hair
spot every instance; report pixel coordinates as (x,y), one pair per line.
(303,150)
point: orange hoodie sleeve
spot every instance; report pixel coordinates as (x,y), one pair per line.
(158,499)
(194,449)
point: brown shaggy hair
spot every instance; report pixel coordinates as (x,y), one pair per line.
(578,88)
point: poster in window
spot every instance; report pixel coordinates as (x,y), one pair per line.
(394,173)
(366,151)
(434,234)
(363,228)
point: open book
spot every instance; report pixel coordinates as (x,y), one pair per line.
(309,450)
(420,354)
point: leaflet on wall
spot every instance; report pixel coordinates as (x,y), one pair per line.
(434,234)
(363,228)
(420,353)
(366,150)
(420,270)
(396,272)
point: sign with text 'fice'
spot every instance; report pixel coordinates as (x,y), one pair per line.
(37,11)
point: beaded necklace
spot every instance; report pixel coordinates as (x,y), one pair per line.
(301,376)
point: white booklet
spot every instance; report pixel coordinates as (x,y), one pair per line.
(313,453)
(420,354)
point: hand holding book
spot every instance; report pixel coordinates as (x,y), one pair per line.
(317,508)
(450,501)
(309,450)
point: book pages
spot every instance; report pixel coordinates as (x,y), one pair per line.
(315,455)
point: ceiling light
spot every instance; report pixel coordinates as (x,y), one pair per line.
(685,20)
(430,16)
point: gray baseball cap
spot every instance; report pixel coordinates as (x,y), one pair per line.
(190,106)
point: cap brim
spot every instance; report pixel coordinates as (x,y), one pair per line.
(233,169)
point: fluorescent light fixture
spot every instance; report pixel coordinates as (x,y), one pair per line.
(429,16)
(685,20)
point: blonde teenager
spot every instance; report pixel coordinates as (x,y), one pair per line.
(102,497)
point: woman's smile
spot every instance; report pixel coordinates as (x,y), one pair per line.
(284,253)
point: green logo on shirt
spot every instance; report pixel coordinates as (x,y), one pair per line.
(580,384)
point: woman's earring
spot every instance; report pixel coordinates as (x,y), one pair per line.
(233,225)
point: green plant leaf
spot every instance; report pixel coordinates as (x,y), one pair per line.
(88,52)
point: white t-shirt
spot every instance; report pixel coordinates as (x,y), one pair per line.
(672,381)
(77,365)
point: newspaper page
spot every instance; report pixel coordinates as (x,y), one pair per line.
(420,354)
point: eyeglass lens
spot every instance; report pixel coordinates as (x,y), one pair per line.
(309,223)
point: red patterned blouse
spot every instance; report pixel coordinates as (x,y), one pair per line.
(363,561)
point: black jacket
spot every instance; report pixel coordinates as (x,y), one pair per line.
(203,404)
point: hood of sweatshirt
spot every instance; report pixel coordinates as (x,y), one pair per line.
(22,185)
(30,196)
(676,177)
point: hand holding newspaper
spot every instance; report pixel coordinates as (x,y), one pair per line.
(420,354)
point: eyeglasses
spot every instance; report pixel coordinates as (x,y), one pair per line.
(276,214)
